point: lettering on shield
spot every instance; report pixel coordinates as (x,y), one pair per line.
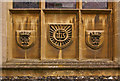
(60,35)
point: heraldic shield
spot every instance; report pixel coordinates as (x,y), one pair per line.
(60,35)
(25,38)
(94,38)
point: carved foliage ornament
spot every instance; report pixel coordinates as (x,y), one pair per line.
(25,38)
(60,35)
(94,38)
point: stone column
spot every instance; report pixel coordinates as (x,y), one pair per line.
(5,25)
(0,37)
(118,29)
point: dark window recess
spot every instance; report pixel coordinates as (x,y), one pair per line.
(63,4)
(94,5)
(25,4)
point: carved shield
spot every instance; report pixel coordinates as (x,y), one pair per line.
(94,38)
(25,38)
(60,35)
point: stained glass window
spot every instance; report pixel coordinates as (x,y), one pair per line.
(94,4)
(25,4)
(60,4)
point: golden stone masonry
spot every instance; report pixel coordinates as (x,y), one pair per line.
(60,38)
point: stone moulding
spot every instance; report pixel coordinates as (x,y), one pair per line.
(96,11)
(58,64)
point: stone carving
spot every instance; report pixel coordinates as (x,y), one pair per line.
(94,38)
(60,35)
(25,38)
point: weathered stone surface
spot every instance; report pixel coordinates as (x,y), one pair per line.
(61,72)
(63,69)
(62,78)
(118,35)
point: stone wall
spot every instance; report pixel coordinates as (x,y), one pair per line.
(46,72)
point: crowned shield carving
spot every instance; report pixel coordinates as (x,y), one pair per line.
(60,35)
(25,38)
(94,38)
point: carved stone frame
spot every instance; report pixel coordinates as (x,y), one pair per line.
(64,64)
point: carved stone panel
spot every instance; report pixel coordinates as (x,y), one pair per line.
(25,43)
(25,38)
(61,36)
(95,36)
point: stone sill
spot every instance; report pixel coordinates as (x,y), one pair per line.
(61,11)
(60,64)
(74,11)
(21,11)
(58,67)
(96,11)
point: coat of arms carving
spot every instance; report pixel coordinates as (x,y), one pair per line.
(94,38)
(60,35)
(25,38)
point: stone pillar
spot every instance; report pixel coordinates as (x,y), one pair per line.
(4,31)
(118,26)
(0,37)
(5,25)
